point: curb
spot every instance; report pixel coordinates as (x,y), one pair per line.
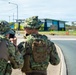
(63,65)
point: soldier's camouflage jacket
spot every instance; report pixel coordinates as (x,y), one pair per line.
(53,57)
(9,52)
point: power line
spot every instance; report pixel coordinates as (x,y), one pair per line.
(8,10)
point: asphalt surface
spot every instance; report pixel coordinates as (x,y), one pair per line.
(69,50)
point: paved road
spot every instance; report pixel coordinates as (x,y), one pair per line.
(56,37)
(69,50)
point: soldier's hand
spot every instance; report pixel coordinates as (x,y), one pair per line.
(14,40)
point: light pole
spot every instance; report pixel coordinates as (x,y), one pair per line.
(17,9)
(17,13)
(9,18)
(13,17)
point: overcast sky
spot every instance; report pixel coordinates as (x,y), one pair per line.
(54,9)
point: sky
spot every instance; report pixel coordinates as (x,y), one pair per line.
(64,10)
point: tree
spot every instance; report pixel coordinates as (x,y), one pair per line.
(42,27)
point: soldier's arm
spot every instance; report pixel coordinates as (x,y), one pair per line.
(21,48)
(15,57)
(54,58)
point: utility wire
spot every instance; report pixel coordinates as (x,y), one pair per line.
(7,10)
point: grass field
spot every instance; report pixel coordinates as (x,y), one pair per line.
(59,33)
(55,32)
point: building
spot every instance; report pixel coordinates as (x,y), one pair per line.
(51,24)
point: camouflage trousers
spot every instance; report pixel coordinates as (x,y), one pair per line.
(37,73)
(3,69)
(3,64)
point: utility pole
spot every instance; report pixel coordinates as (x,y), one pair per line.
(13,17)
(17,13)
(17,9)
(9,18)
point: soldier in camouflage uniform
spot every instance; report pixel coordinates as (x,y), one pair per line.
(12,37)
(37,49)
(10,57)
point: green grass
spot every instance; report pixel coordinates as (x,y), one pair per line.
(59,32)
(55,32)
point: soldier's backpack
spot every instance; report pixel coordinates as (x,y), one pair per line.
(39,50)
(5,68)
(37,53)
(3,48)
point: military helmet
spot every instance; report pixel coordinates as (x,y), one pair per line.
(4,27)
(10,32)
(32,22)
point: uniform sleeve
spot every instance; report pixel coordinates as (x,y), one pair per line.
(54,58)
(15,57)
(21,48)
